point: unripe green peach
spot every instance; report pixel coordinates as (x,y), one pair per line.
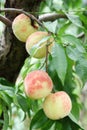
(57,105)
(33,39)
(38,84)
(22,27)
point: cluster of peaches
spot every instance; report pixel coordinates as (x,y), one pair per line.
(27,32)
(38,84)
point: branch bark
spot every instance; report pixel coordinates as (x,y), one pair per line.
(19,11)
(44,17)
(6,21)
(51,17)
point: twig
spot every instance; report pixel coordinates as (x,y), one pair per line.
(33,18)
(51,17)
(5,20)
(44,17)
(10,10)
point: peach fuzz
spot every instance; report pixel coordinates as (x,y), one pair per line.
(34,39)
(57,105)
(22,27)
(38,84)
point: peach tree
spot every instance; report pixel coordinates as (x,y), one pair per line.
(47,91)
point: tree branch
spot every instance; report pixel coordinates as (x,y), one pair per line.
(44,17)
(19,11)
(51,17)
(5,20)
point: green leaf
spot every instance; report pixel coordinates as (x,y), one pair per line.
(81,68)
(48,124)
(73,53)
(22,101)
(63,28)
(84,19)
(3,88)
(68,122)
(76,110)
(73,41)
(57,6)
(29,65)
(49,3)
(9,90)
(5,82)
(6,98)
(6,118)
(58,125)
(59,61)
(0,107)
(72,118)
(51,26)
(26,67)
(40,121)
(72,4)
(69,85)
(74,19)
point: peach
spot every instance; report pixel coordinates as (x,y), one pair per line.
(34,39)
(22,27)
(38,84)
(57,105)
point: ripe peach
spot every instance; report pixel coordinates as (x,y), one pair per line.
(57,105)
(22,27)
(38,84)
(33,39)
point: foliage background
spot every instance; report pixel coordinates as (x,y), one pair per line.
(67,66)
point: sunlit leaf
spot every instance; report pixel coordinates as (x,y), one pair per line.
(81,68)
(73,41)
(74,19)
(59,61)
(5,97)
(9,90)
(73,53)
(51,26)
